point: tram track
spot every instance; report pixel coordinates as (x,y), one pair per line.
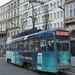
(72,70)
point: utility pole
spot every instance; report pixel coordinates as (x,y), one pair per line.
(33,16)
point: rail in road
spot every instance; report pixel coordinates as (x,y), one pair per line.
(73,69)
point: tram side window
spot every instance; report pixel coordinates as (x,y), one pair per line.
(26,45)
(62,43)
(43,44)
(21,46)
(12,47)
(15,46)
(50,44)
(31,45)
(36,45)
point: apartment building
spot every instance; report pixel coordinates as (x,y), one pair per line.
(9,21)
(70,21)
(47,14)
(9,17)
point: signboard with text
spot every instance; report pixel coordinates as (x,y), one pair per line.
(62,33)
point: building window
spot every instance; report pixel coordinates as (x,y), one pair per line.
(25,6)
(11,14)
(14,4)
(57,3)
(74,9)
(57,14)
(61,13)
(25,15)
(50,16)
(17,2)
(61,25)
(11,5)
(25,23)
(45,8)
(54,4)
(8,7)
(61,2)
(67,12)
(35,11)
(45,18)
(71,10)
(14,12)
(55,25)
(54,15)
(51,6)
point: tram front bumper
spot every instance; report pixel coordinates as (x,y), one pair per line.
(60,67)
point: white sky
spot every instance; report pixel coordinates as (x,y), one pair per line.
(3,2)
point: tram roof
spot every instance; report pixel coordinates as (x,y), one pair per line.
(26,34)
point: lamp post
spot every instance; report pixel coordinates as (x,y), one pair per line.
(63,8)
(33,16)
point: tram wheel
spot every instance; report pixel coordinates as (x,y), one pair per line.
(8,60)
(30,66)
(25,65)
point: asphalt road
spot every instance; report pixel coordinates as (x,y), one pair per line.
(10,69)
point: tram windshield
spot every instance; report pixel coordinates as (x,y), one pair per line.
(62,43)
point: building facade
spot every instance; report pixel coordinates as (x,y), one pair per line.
(16,15)
(70,21)
(9,21)
(9,17)
(47,14)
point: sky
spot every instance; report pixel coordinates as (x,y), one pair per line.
(3,2)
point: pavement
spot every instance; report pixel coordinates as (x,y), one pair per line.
(2,58)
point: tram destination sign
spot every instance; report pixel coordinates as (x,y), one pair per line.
(62,33)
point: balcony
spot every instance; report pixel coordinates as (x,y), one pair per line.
(68,1)
(70,20)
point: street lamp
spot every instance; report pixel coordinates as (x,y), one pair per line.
(63,8)
(33,17)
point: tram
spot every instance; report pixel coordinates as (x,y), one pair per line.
(46,51)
